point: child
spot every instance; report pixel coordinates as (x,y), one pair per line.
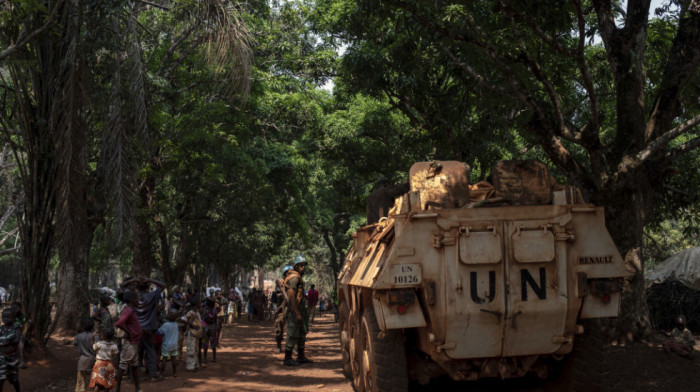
(209,321)
(10,336)
(179,307)
(169,332)
(193,333)
(86,354)
(102,377)
(682,341)
(232,297)
(158,339)
(129,323)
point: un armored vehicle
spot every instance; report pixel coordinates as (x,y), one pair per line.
(474,281)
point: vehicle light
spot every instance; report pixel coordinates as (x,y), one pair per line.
(606,298)
(401,309)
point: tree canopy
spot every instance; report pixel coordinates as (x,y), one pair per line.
(194,139)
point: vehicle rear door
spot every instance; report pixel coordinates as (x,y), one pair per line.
(536,300)
(475,291)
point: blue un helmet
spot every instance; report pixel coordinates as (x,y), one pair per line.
(300,259)
(286,268)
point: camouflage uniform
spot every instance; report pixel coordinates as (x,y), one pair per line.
(280,321)
(9,364)
(296,334)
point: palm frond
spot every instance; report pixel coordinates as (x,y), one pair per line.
(228,45)
(67,127)
(115,165)
(137,88)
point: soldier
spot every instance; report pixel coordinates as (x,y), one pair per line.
(281,313)
(298,317)
(381,199)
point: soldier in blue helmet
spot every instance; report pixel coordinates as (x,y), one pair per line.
(281,313)
(297,313)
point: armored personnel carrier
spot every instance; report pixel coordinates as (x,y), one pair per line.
(474,281)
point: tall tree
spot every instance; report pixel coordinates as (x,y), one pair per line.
(211,37)
(608,117)
(58,54)
(42,111)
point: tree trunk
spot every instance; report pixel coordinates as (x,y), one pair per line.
(333,257)
(182,255)
(74,273)
(626,210)
(73,278)
(37,231)
(334,262)
(165,250)
(259,278)
(77,220)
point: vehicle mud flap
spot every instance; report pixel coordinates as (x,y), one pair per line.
(383,359)
(582,369)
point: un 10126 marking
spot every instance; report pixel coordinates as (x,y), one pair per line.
(406,274)
(405,279)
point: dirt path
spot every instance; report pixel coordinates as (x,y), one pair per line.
(249,362)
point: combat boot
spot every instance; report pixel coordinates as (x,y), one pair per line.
(279,345)
(301,358)
(288,361)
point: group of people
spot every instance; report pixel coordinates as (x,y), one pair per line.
(258,305)
(149,332)
(145,330)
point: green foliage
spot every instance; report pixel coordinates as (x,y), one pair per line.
(242,171)
(670,237)
(486,79)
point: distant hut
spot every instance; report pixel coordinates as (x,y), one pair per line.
(673,288)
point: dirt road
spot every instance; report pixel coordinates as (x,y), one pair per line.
(248,362)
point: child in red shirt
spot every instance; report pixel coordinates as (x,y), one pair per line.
(129,323)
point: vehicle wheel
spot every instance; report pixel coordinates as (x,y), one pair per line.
(383,360)
(344,330)
(355,351)
(582,369)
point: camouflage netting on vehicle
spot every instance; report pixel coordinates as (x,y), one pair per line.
(668,299)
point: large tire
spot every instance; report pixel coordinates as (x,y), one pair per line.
(582,370)
(383,360)
(355,347)
(344,332)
